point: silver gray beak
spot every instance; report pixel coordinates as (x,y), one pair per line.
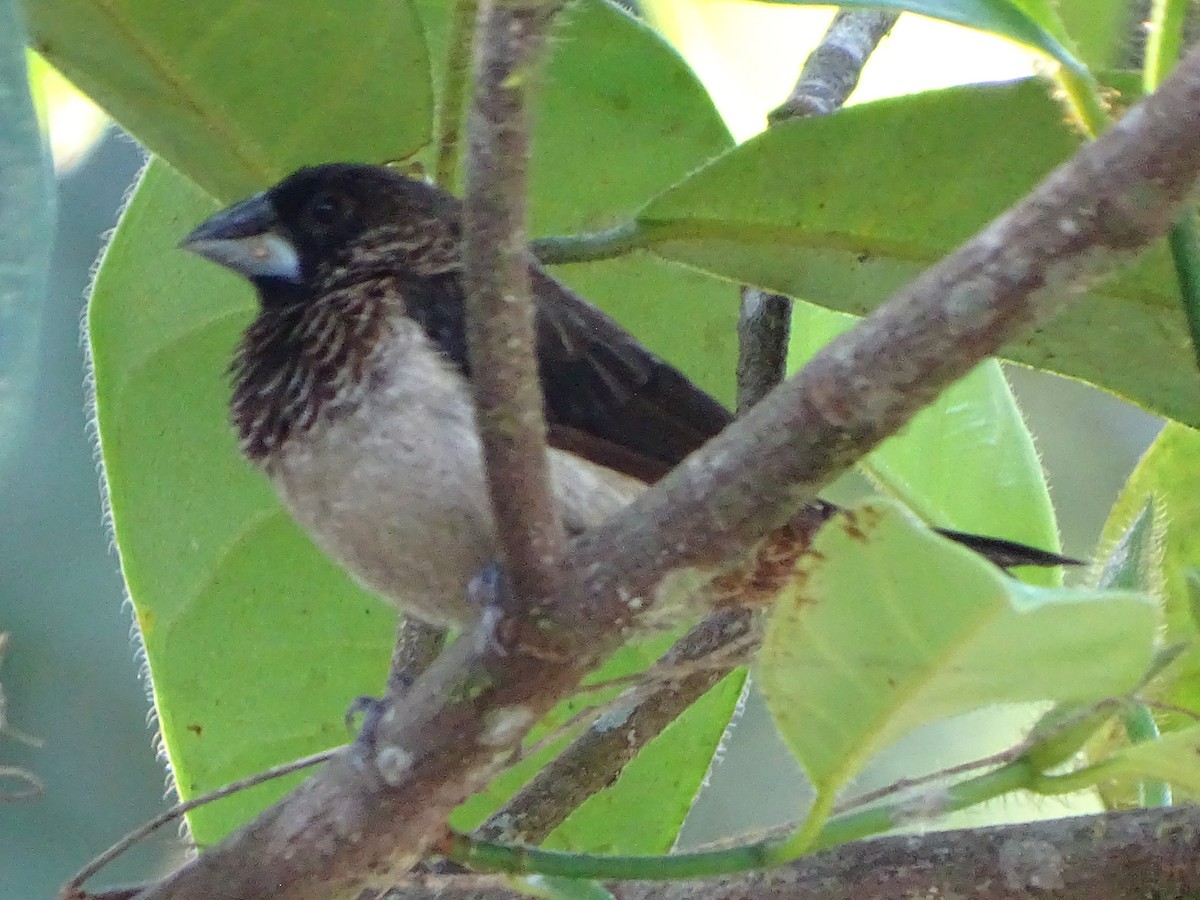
(246,239)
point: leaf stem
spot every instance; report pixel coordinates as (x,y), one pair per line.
(1164,38)
(1084,100)
(1141,727)
(521,860)
(572,248)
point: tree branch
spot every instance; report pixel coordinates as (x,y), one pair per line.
(764,328)
(831,72)
(375,809)
(509,406)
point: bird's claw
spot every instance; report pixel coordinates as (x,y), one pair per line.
(370,708)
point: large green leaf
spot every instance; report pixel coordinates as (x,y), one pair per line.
(26,231)
(255,642)
(843,210)
(965,462)
(888,626)
(237,93)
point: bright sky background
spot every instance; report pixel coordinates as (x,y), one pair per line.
(749,54)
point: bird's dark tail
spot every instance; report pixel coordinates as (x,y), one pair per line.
(1008,553)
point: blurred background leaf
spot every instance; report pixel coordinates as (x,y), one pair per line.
(238,94)
(26,232)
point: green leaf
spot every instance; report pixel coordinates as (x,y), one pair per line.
(1130,565)
(26,232)
(847,236)
(670,770)
(1166,482)
(255,642)
(1167,474)
(1103,32)
(888,626)
(1134,561)
(966,462)
(1030,22)
(237,94)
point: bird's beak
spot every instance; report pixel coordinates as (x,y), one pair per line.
(246,238)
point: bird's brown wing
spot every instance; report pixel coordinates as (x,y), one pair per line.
(613,402)
(610,399)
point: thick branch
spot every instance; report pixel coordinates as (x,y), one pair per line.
(509,39)
(374,810)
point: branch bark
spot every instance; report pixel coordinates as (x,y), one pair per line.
(1113,856)
(831,72)
(509,39)
(376,808)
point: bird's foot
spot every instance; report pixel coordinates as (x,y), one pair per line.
(488,591)
(371,709)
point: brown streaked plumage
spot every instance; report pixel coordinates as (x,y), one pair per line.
(351,390)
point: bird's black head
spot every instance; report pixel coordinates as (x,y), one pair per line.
(336,252)
(324,223)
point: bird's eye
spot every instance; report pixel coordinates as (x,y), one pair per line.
(325,208)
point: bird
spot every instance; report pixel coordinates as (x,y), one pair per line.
(351,387)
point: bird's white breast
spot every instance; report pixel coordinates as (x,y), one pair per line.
(394,489)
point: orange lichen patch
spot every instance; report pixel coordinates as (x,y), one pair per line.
(857,523)
(776,561)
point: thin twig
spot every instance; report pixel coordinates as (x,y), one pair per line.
(828,77)
(593,760)
(764,327)
(74,887)
(118,893)
(509,39)
(831,72)
(1111,856)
